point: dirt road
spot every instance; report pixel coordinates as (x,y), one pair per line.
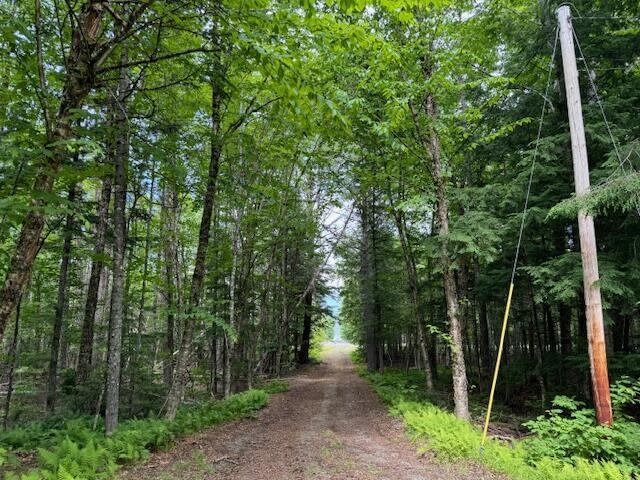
(330,425)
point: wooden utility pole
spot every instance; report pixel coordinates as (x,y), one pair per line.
(593,302)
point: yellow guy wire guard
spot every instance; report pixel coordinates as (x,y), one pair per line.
(497,368)
(505,320)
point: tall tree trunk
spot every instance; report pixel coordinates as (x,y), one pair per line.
(79,80)
(213,352)
(305,342)
(145,267)
(61,306)
(197,280)
(564,311)
(172,275)
(485,349)
(379,322)
(119,245)
(367,286)
(85,353)
(232,306)
(412,275)
(137,351)
(551,328)
(461,276)
(13,360)
(460,395)
(538,348)
(284,311)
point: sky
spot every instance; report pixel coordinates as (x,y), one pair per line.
(334,230)
(333,302)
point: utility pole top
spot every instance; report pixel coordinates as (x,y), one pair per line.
(563,11)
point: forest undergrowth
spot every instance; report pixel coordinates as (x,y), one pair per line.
(71,449)
(564,443)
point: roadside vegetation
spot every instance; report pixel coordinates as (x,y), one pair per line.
(69,449)
(565,443)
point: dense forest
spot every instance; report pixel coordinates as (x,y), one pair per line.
(184,183)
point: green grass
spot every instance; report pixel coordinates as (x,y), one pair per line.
(275,386)
(454,439)
(72,450)
(197,466)
(316,348)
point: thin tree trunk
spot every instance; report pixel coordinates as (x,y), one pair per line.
(551,328)
(538,353)
(367,275)
(145,268)
(564,311)
(305,342)
(143,294)
(85,354)
(232,307)
(61,307)
(119,246)
(13,359)
(412,275)
(172,275)
(379,323)
(197,280)
(213,352)
(219,374)
(284,318)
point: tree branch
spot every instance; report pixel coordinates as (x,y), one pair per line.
(153,59)
(42,85)
(250,110)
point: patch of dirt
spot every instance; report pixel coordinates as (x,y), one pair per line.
(330,425)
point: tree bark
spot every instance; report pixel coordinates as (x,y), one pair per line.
(367,285)
(564,311)
(13,360)
(232,306)
(538,348)
(172,275)
(305,342)
(145,267)
(460,395)
(119,245)
(61,306)
(412,275)
(79,80)
(197,279)
(142,307)
(85,353)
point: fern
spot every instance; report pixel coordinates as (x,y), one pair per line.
(455,439)
(79,453)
